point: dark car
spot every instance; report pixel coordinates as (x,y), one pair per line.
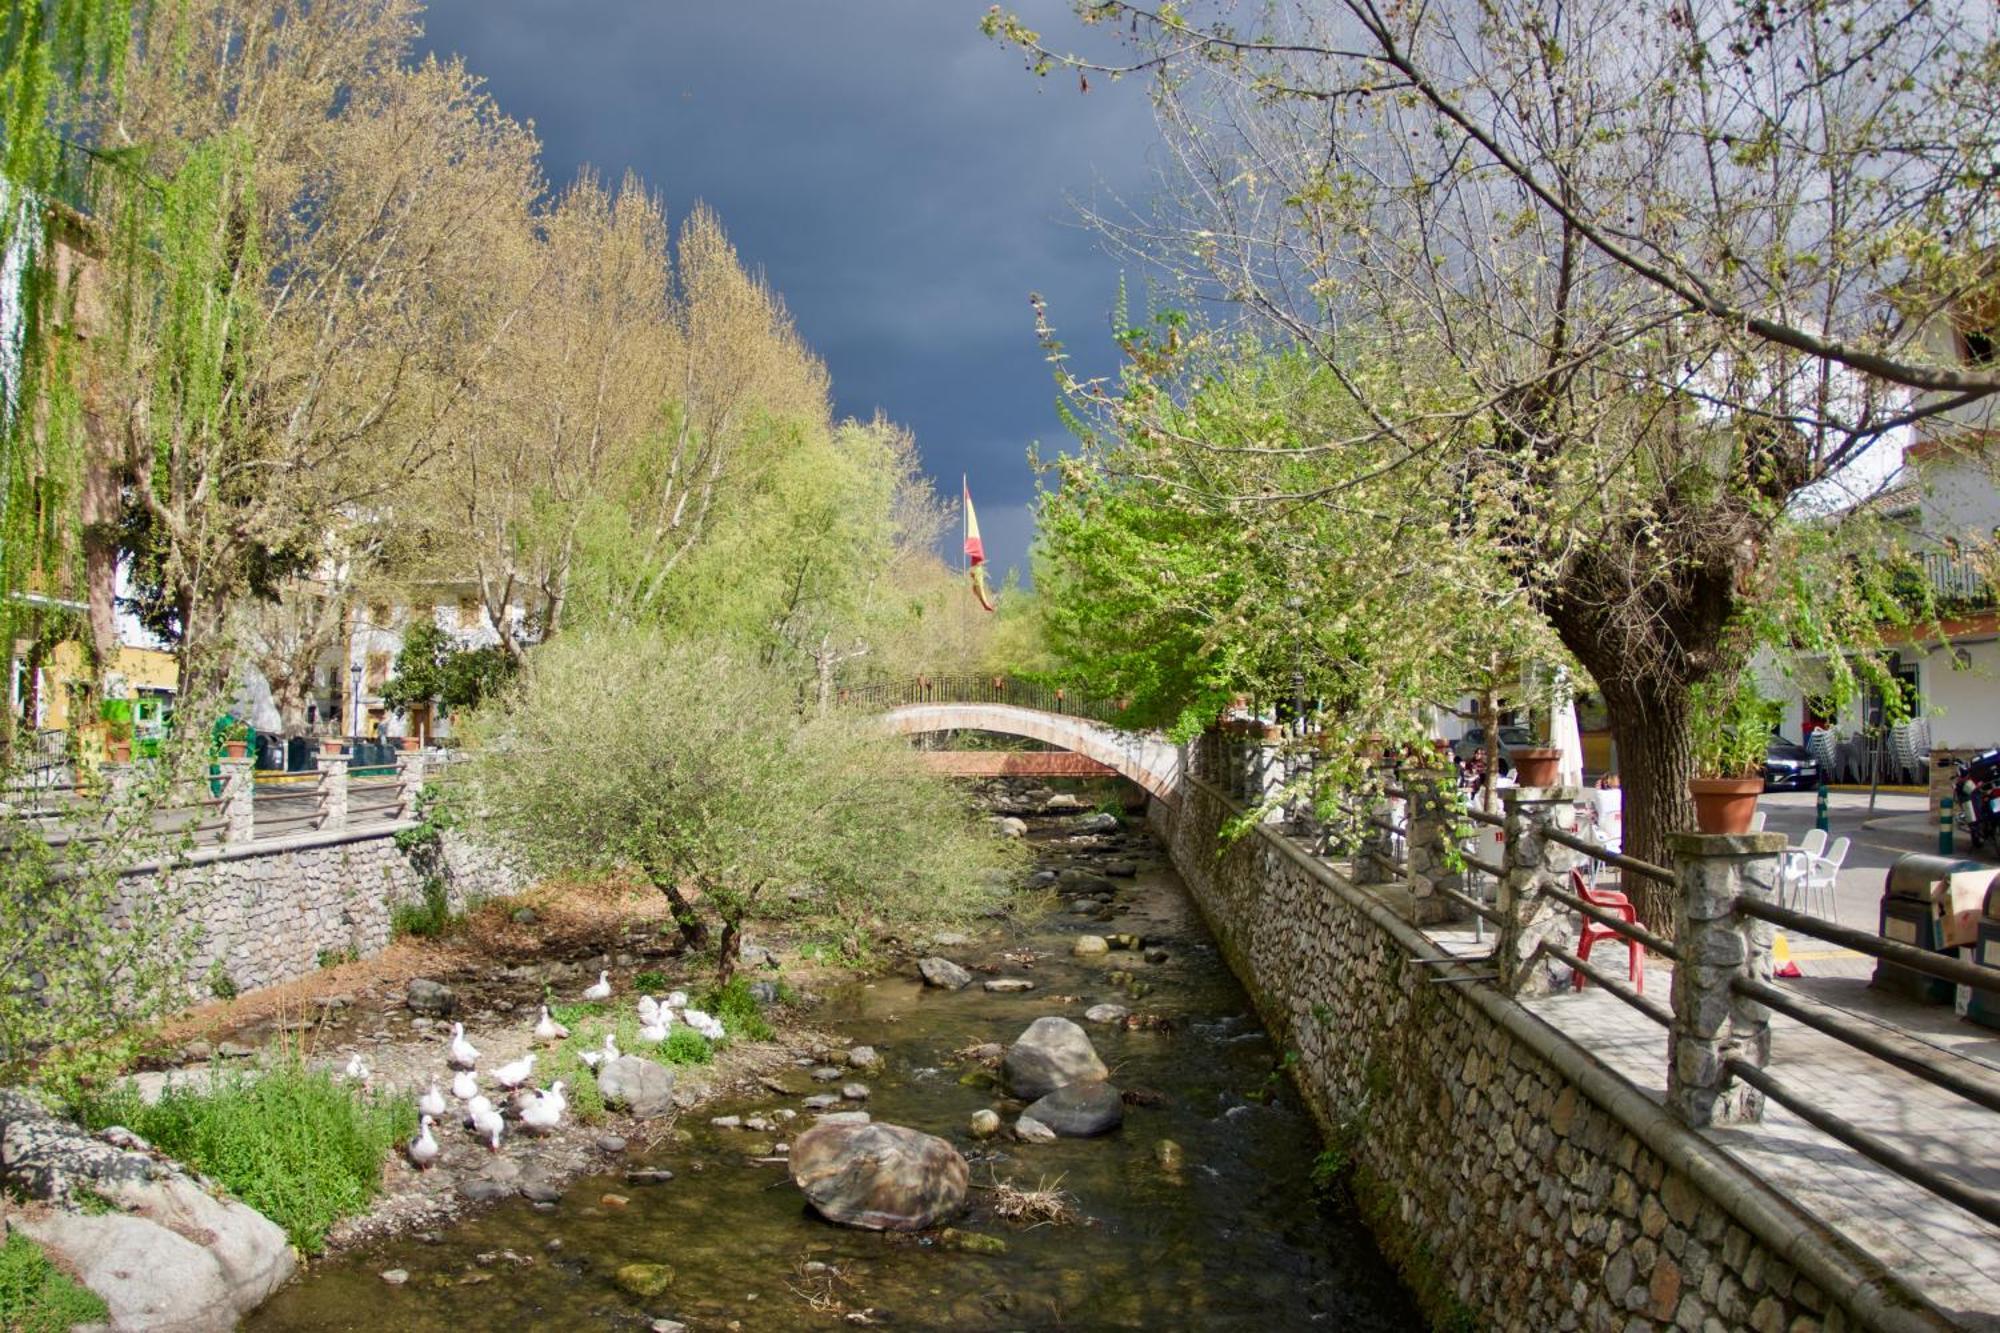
(1473,742)
(1789,767)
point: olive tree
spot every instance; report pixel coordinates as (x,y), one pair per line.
(691,765)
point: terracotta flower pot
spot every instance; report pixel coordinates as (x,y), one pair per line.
(329,745)
(409,743)
(1271,731)
(1725,805)
(236,749)
(121,751)
(1536,766)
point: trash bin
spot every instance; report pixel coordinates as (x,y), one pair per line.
(1912,895)
(1983,1007)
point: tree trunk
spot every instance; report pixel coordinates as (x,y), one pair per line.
(730,949)
(1652,724)
(694,931)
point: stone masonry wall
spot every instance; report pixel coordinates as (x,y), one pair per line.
(1507,1197)
(277,912)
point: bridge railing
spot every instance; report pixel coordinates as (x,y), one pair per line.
(976,688)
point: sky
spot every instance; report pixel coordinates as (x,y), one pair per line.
(902,181)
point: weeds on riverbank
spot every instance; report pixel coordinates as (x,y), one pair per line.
(297,1144)
(38,1297)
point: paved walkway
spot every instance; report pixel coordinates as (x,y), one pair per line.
(1947,1254)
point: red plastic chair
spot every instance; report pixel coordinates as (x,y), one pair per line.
(1618,905)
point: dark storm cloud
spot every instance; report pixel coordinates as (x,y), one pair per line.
(904,182)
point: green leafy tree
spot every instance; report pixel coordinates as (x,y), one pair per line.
(690,764)
(433,668)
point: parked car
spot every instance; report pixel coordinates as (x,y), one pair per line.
(1789,767)
(1473,742)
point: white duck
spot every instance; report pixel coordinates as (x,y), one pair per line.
(600,991)
(464,1055)
(649,1009)
(432,1103)
(677,1000)
(705,1024)
(357,1068)
(479,1105)
(610,1051)
(424,1149)
(556,1095)
(489,1126)
(514,1074)
(548,1029)
(542,1112)
(655,1032)
(465,1085)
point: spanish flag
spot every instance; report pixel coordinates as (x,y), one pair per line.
(975,550)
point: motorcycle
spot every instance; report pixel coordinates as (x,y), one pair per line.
(1976,788)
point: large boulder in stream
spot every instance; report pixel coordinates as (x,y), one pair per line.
(1080,1110)
(879,1177)
(1051,1054)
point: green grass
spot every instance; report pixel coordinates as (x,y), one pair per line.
(299,1146)
(739,1011)
(38,1297)
(652,983)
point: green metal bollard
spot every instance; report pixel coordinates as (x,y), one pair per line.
(1944,826)
(1819,811)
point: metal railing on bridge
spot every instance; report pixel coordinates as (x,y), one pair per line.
(977,688)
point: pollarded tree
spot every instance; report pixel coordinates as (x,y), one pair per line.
(689,764)
(1654,253)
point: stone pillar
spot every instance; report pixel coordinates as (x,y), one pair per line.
(1433,837)
(1533,861)
(1268,776)
(1712,1024)
(410,781)
(239,794)
(332,790)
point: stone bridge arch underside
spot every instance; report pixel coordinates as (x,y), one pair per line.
(1150,760)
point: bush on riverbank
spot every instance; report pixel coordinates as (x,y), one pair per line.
(297,1144)
(38,1297)
(704,777)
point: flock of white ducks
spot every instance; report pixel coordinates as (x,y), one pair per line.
(538,1109)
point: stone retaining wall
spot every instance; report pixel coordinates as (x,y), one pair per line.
(1516,1181)
(274,911)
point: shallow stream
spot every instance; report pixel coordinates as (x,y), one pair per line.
(1234,1239)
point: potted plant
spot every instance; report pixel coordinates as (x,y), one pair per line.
(116,715)
(1536,765)
(329,745)
(236,739)
(1732,731)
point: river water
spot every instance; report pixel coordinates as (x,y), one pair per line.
(1237,1238)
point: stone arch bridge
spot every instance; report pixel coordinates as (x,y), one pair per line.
(1087,746)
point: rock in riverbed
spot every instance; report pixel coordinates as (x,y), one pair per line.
(944,973)
(879,1177)
(1009,985)
(643,1087)
(1080,1110)
(1105,1013)
(1088,945)
(1051,1053)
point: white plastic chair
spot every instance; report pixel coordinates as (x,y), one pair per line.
(1757,822)
(1793,864)
(1819,876)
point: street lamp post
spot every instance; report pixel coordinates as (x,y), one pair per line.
(354,677)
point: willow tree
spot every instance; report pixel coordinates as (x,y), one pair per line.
(1654,243)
